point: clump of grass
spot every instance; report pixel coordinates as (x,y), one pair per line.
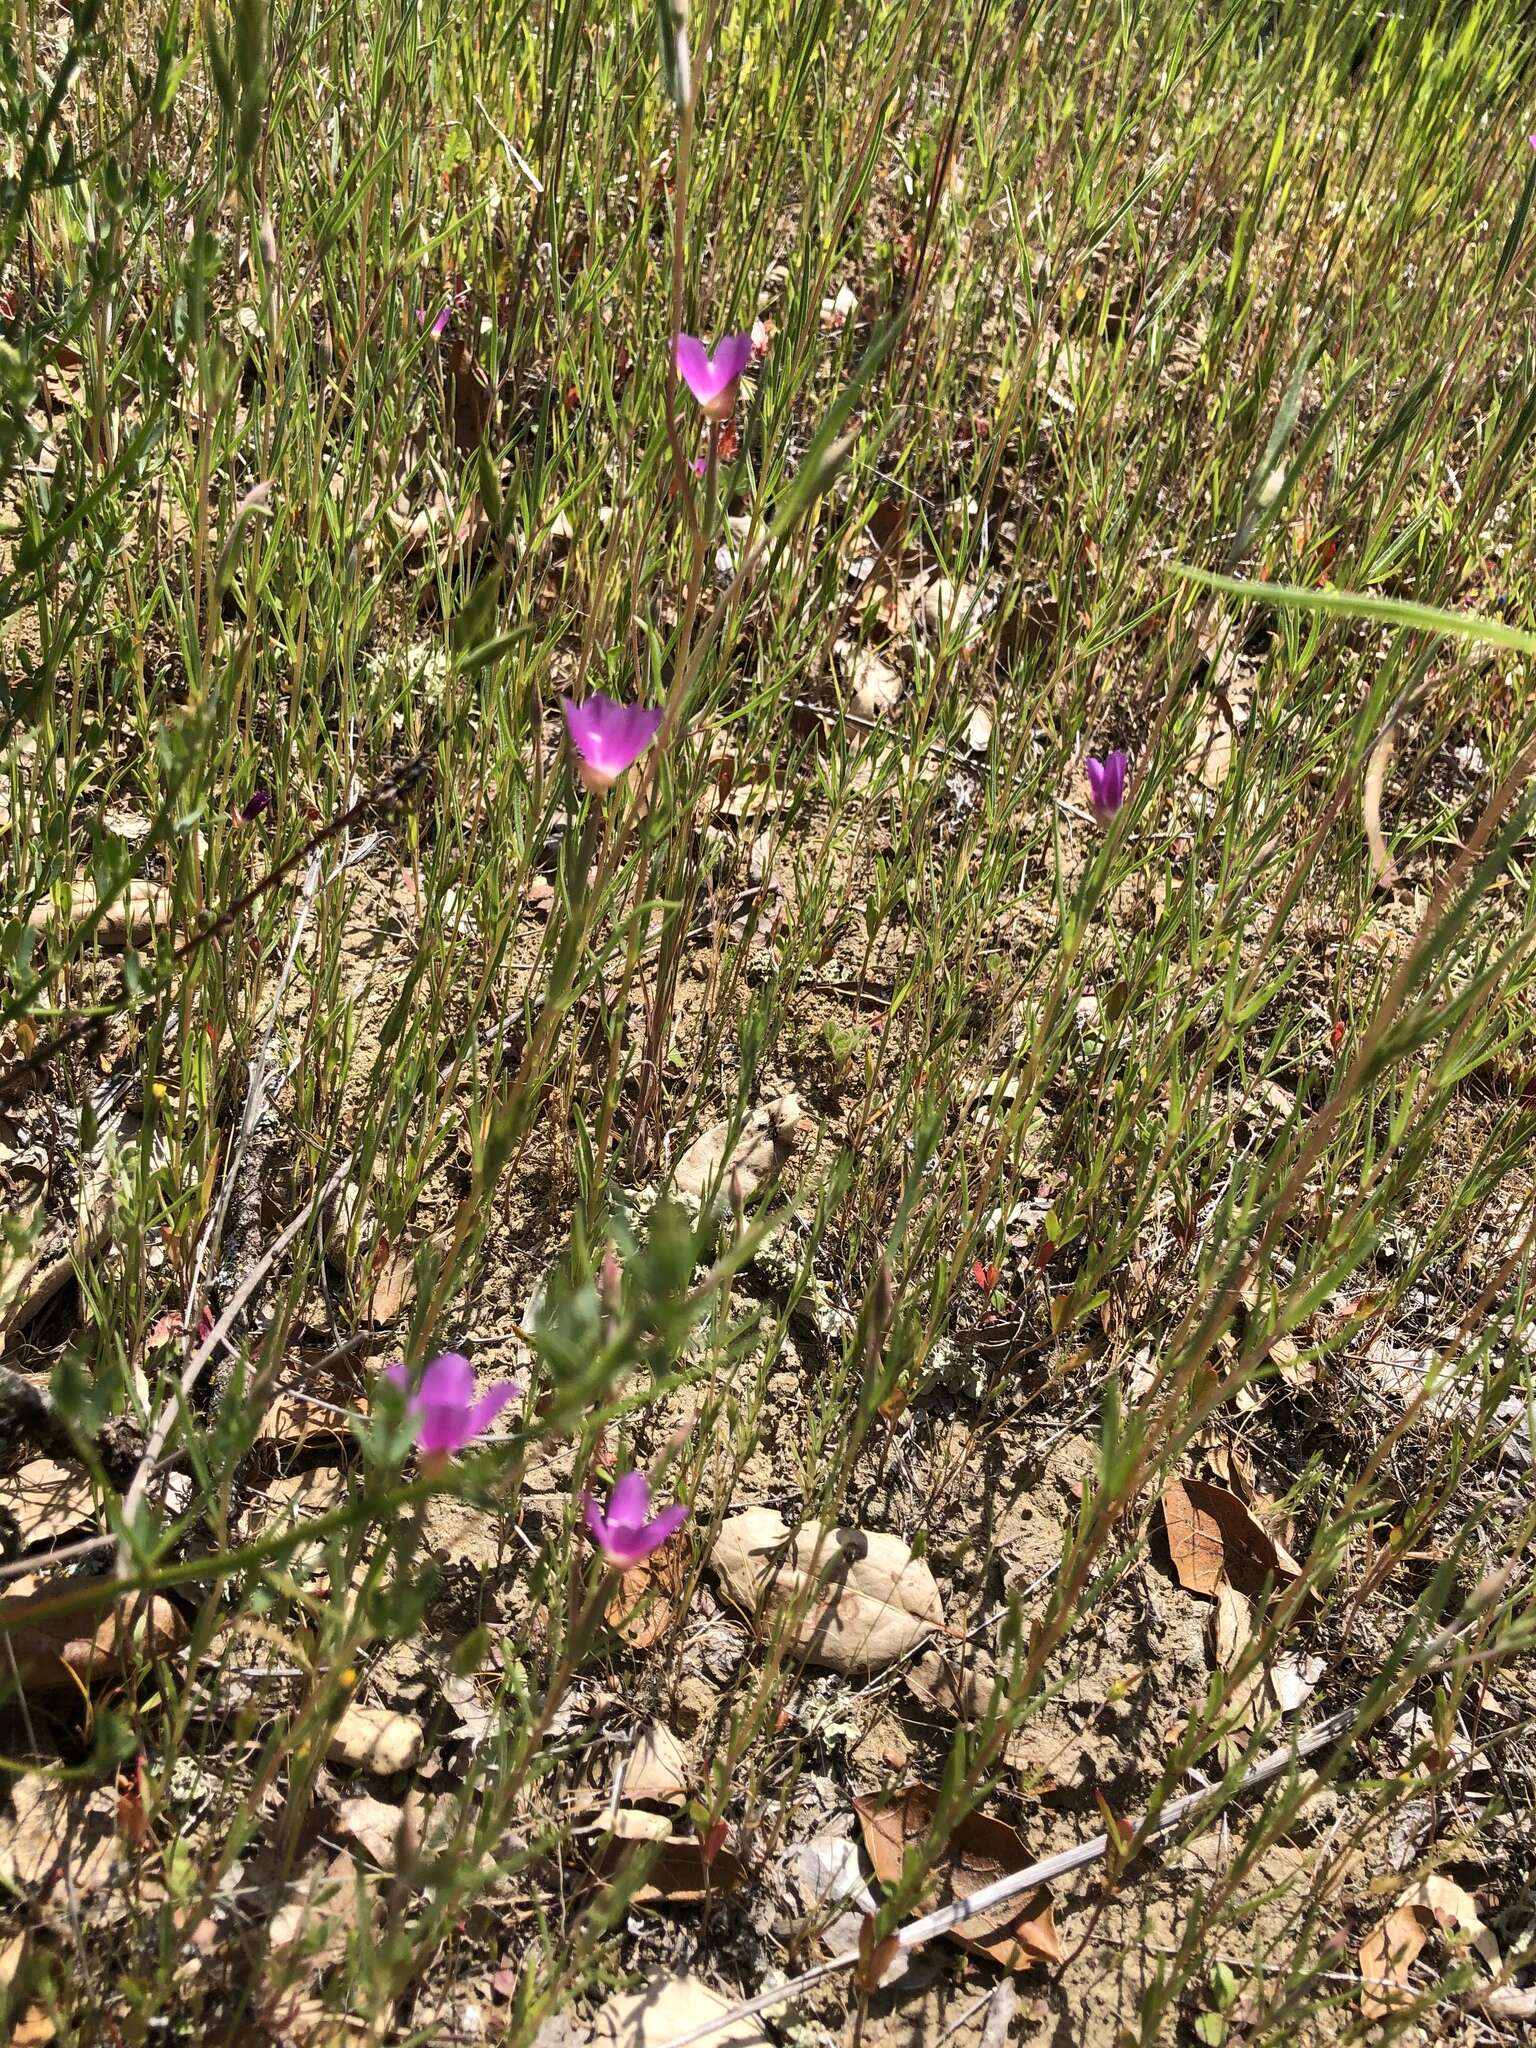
(1146,391)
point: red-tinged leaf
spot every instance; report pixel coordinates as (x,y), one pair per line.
(1121,1831)
(875,1957)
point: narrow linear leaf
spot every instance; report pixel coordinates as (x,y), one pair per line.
(1360,604)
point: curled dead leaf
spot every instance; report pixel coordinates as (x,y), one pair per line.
(374,1825)
(1293,1679)
(766,1142)
(375,1739)
(852,1600)
(84,1648)
(657,1768)
(959,1682)
(1018,1934)
(680,1867)
(1389,1951)
(646,1601)
(1453,1910)
(130,919)
(1387,1954)
(876,687)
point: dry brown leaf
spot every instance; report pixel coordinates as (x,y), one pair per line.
(63,1653)
(374,1825)
(1293,1680)
(34,2029)
(953,609)
(375,1739)
(960,1682)
(132,918)
(677,1868)
(49,1501)
(1233,1630)
(656,1768)
(58,1837)
(1454,1911)
(1387,1954)
(645,1604)
(1234,1626)
(389,1286)
(323,1897)
(875,686)
(665,2008)
(1296,1371)
(1214,1541)
(767,1140)
(1383,867)
(1018,1934)
(1227,695)
(864,1599)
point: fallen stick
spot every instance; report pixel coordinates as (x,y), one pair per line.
(1017,1882)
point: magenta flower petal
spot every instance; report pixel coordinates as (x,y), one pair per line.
(693,366)
(1106,784)
(447,1408)
(659,1531)
(732,355)
(490,1404)
(712,378)
(630,1502)
(608,737)
(624,1535)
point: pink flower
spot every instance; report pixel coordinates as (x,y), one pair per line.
(608,737)
(713,378)
(444,1407)
(628,1532)
(1106,784)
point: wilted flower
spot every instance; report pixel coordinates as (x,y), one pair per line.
(608,737)
(713,378)
(1106,784)
(445,1406)
(629,1532)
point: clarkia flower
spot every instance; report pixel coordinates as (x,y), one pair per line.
(629,1531)
(712,378)
(1106,784)
(445,1407)
(608,737)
